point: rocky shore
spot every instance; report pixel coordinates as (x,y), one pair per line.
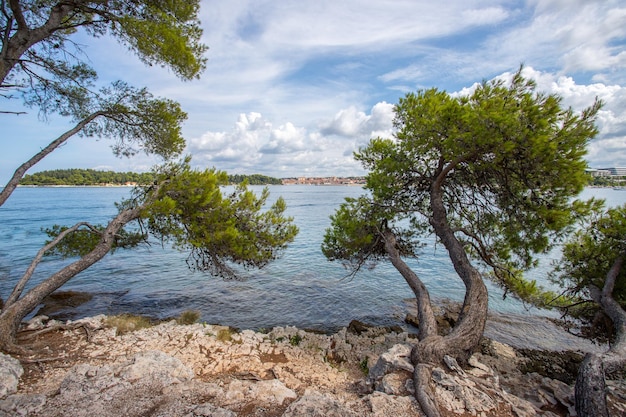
(85,368)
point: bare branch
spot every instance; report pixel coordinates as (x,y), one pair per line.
(17,13)
(19,172)
(19,287)
(611,276)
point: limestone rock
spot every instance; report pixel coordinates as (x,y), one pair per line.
(21,405)
(10,372)
(271,392)
(316,404)
(477,368)
(396,358)
(209,410)
(157,366)
(384,405)
(37,322)
(396,383)
(209,370)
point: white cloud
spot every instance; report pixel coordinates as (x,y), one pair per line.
(353,123)
(313,69)
(286,139)
(254,145)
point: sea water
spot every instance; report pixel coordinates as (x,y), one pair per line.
(301,288)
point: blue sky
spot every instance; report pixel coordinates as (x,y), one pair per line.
(293,88)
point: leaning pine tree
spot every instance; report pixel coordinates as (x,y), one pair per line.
(185,207)
(491,175)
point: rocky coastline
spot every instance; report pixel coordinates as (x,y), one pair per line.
(85,368)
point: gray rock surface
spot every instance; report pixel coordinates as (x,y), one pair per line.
(10,372)
(202,370)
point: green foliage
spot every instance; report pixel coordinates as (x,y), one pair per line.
(355,234)
(225,335)
(295,340)
(187,208)
(133,118)
(191,212)
(607,181)
(50,73)
(163,32)
(86,177)
(254,179)
(587,257)
(363,366)
(83,240)
(505,160)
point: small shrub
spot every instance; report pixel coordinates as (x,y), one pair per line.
(295,340)
(225,335)
(126,323)
(363,366)
(188,317)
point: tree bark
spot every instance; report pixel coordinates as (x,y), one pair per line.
(470,326)
(425,314)
(590,389)
(468,330)
(24,37)
(12,315)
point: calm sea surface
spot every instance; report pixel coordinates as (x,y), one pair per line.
(301,289)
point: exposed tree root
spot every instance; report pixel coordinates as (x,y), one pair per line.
(424,394)
(57,327)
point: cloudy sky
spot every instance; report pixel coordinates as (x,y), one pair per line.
(292,88)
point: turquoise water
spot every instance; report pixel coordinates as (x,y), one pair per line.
(301,289)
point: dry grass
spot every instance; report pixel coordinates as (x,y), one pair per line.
(126,323)
(188,317)
(225,335)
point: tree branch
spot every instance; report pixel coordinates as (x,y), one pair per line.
(613,309)
(19,287)
(426,316)
(19,172)
(611,276)
(18,15)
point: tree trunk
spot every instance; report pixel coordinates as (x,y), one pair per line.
(24,38)
(590,390)
(425,314)
(468,330)
(12,315)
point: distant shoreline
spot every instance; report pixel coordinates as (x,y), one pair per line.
(74,186)
(130,186)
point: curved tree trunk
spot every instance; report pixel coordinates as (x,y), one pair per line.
(470,326)
(12,314)
(590,383)
(468,330)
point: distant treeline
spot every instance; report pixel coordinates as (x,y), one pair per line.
(93,177)
(254,179)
